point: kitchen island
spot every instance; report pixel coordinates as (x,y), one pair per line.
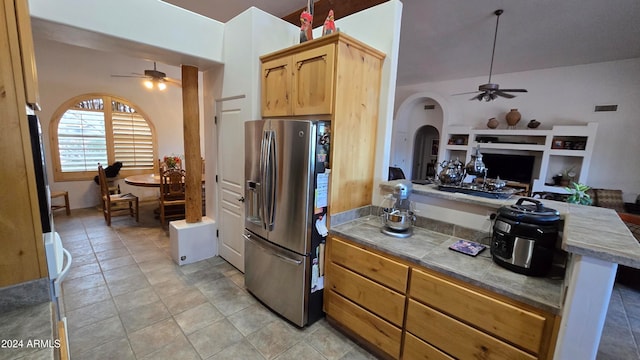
(595,241)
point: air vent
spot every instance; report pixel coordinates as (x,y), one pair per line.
(429,107)
(600,108)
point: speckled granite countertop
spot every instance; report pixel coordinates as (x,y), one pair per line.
(590,231)
(28,333)
(430,250)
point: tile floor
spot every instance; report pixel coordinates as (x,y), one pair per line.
(126,299)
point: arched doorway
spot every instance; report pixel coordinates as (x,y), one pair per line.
(419,112)
(425,152)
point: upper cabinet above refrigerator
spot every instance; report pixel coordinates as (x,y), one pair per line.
(336,78)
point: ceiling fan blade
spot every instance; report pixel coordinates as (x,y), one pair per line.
(172,81)
(514,90)
(504,94)
(130,76)
(465,93)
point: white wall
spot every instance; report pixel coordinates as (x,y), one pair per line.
(561,96)
(66,71)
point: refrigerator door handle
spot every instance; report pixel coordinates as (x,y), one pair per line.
(263,171)
(273,165)
(280,256)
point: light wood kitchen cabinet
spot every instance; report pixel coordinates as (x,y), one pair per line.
(365,293)
(299,84)
(373,296)
(21,248)
(334,78)
(494,327)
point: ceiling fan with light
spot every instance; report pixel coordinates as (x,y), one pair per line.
(154,78)
(490,91)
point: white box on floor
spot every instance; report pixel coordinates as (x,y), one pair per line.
(192,242)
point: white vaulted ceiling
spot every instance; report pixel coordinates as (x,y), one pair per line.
(452,39)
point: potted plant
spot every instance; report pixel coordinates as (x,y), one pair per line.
(578,194)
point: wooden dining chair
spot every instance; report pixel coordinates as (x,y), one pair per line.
(172,195)
(116,204)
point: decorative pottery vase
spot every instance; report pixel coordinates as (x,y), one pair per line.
(513,117)
(533,124)
(492,123)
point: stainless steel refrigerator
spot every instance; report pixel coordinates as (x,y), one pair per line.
(286,179)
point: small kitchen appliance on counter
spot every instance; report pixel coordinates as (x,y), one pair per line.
(524,237)
(397,212)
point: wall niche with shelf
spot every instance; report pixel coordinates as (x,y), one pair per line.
(556,150)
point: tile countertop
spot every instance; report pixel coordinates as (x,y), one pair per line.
(590,231)
(430,250)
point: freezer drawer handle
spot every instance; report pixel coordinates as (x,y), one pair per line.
(282,257)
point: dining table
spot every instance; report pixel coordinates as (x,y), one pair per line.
(145,180)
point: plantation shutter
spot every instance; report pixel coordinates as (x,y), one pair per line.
(82,143)
(132,139)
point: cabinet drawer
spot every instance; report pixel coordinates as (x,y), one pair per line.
(456,338)
(501,319)
(370,327)
(416,349)
(372,296)
(387,272)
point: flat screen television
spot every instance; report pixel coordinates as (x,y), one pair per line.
(509,167)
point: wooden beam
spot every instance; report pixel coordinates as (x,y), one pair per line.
(341,8)
(192,156)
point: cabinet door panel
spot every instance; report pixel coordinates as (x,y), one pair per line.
(312,89)
(456,338)
(511,323)
(416,349)
(276,86)
(385,271)
(363,323)
(374,297)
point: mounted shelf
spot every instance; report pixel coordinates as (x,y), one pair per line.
(556,150)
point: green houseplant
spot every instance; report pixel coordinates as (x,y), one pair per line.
(578,194)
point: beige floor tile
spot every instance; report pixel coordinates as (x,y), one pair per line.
(184,300)
(300,351)
(80,284)
(252,319)
(113,350)
(110,245)
(215,338)
(198,317)
(120,273)
(154,337)
(231,304)
(127,285)
(83,270)
(143,316)
(329,342)
(85,297)
(90,314)
(180,349)
(83,260)
(172,287)
(242,350)
(275,338)
(115,263)
(98,333)
(128,301)
(163,275)
(111,254)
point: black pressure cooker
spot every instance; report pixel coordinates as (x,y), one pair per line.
(524,237)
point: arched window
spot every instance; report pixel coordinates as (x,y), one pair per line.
(97,128)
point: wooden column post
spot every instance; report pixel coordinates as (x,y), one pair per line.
(192,156)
